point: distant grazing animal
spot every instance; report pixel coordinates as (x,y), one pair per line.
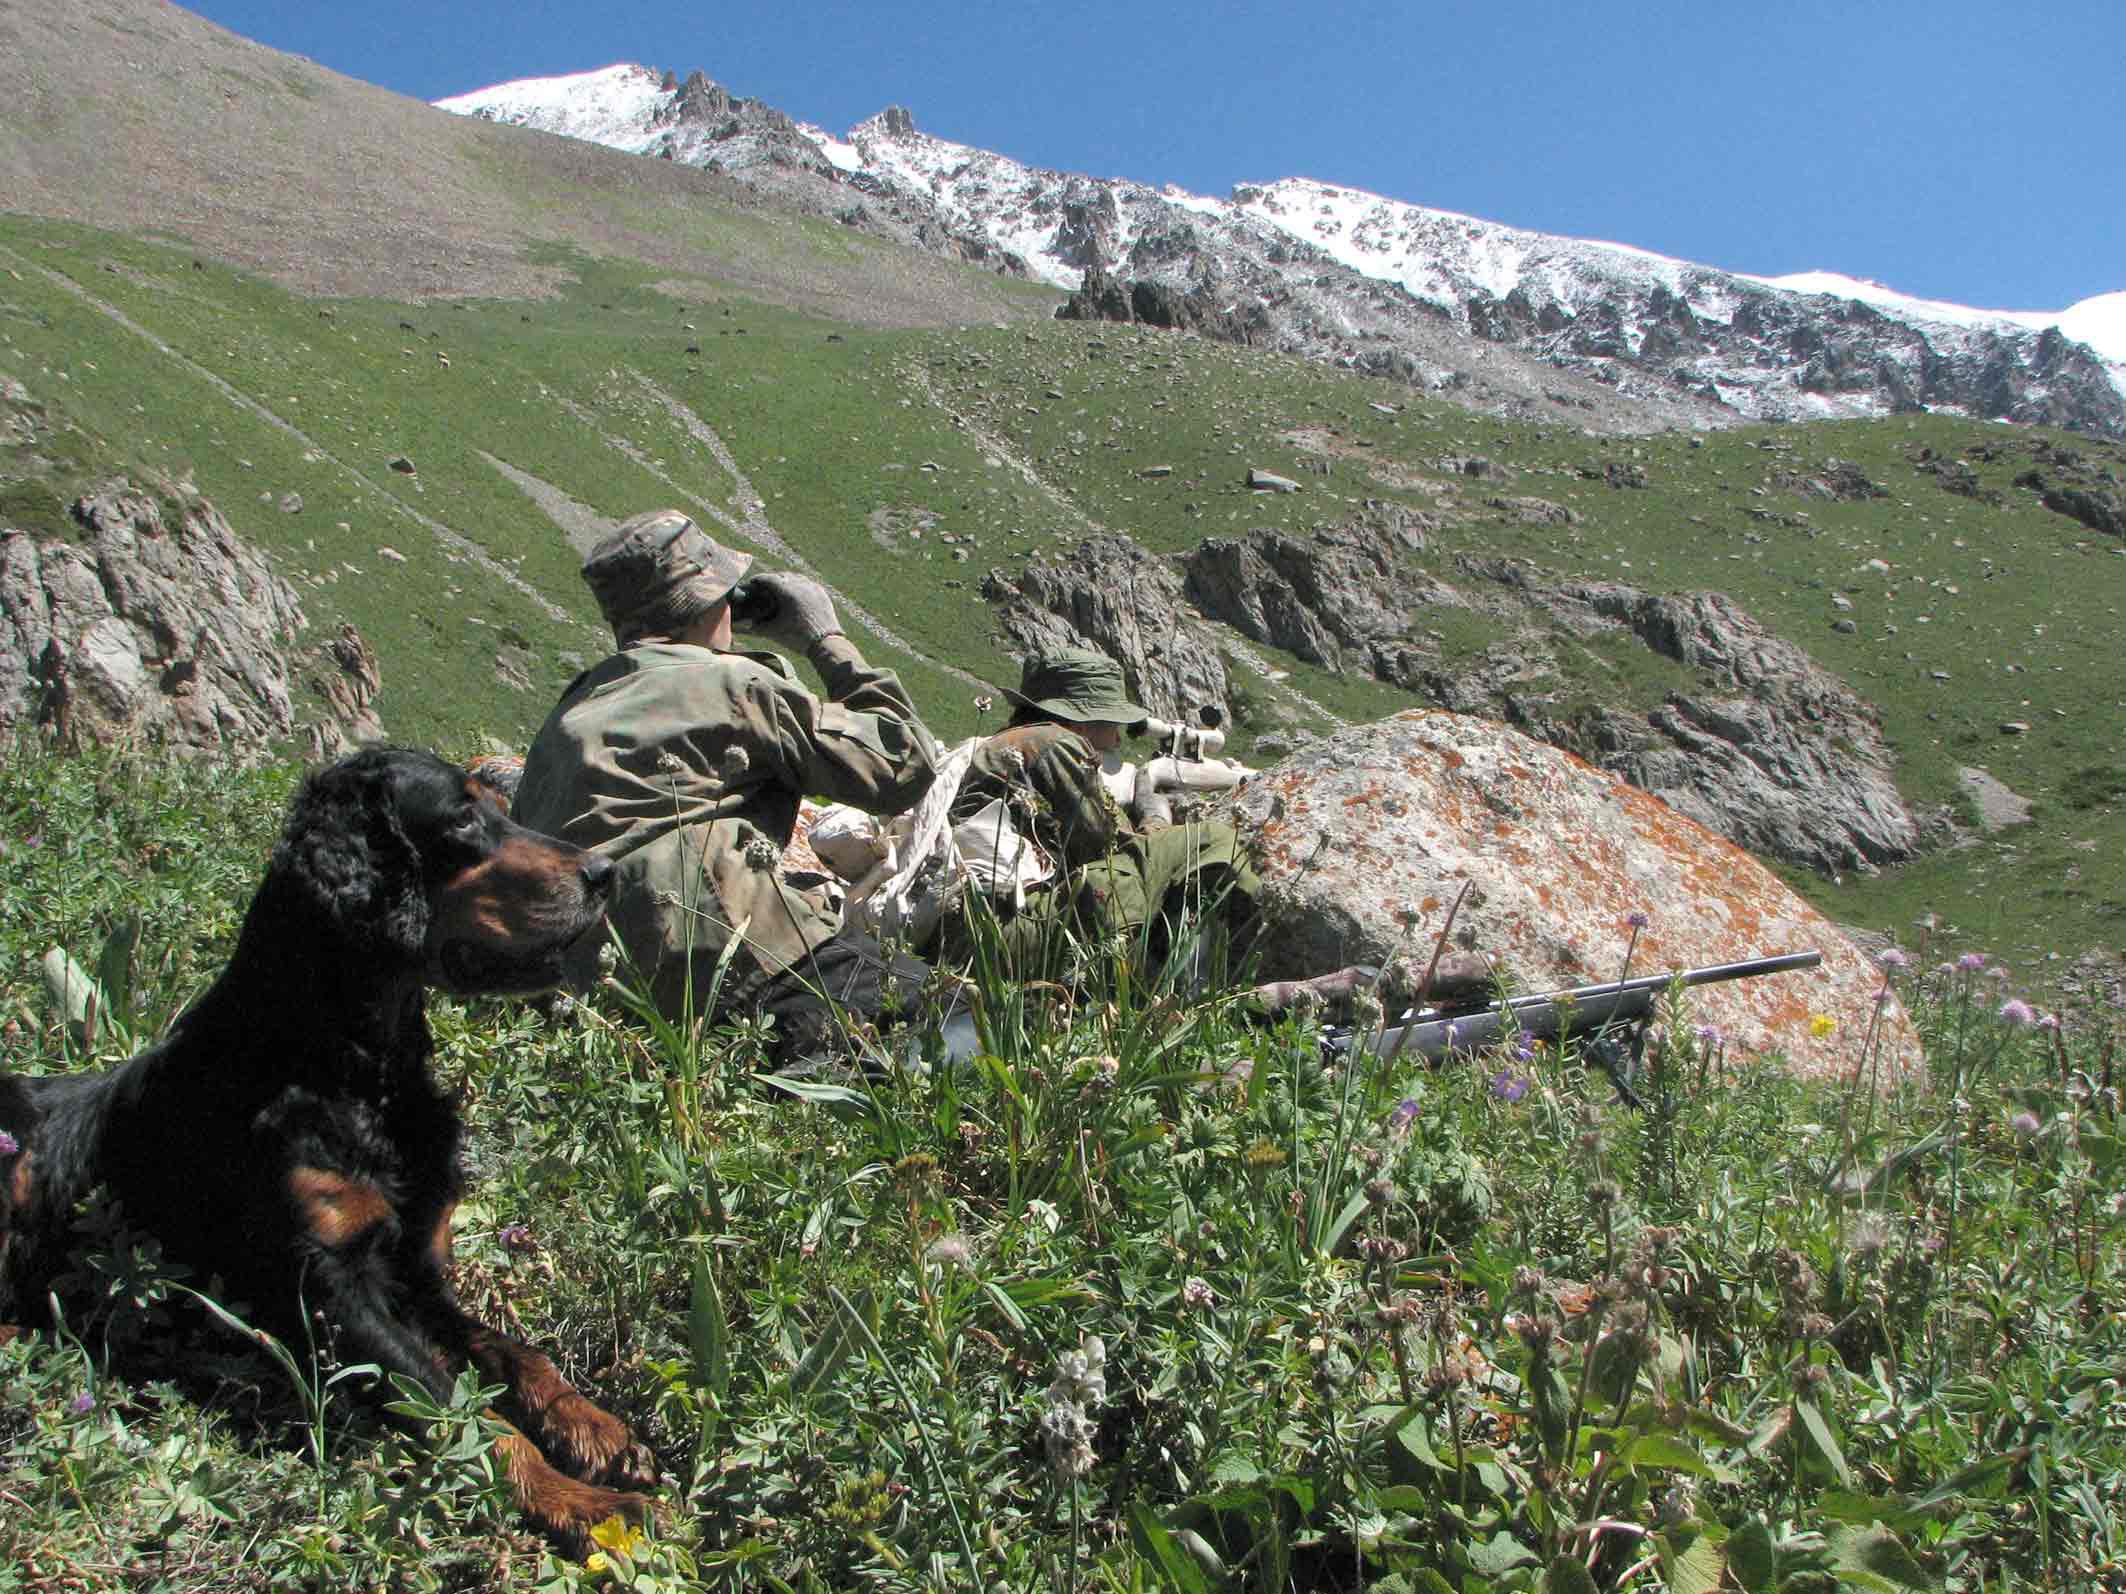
(287,1138)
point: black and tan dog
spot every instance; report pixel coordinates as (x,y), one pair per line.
(287,1136)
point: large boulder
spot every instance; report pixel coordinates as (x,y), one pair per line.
(1357,829)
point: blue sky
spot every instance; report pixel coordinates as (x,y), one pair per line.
(1953,149)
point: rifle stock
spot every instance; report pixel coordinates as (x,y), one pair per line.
(1435,1031)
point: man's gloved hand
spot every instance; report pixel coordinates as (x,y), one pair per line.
(803,611)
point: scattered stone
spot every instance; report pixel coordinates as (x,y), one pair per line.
(402,465)
(392,554)
(1262,481)
(1153,472)
(2015,727)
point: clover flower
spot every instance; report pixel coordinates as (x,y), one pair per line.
(2050,1023)
(1198,1296)
(9,1145)
(2017,1013)
(1637,919)
(1970,962)
(1081,1374)
(2025,1124)
(1709,1035)
(1892,958)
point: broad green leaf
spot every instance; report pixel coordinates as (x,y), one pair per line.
(1500,1553)
(1877,1552)
(708,1330)
(1751,1557)
(1005,1304)
(1568,1575)
(1825,1443)
(114,969)
(1665,1452)
(1692,1561)
(824,1358)
(818,1092)
(1344,1220)
(1178,1566)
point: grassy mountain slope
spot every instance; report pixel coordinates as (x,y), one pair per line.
(301,279)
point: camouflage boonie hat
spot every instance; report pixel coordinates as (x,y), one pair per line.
(1080,685)
(645,561)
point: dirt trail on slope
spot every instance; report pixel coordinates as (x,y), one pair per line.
(457,542)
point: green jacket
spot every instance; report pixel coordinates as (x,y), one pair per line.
(684,766)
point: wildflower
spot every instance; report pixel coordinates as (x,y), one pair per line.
(1197,1296)
(1945,969)
(82,1404)
(734,764)
(1381,1248)
(1508,1086)
(1379,1192)
(1970,962)
(918,1170)
(1081,1374)
(1637,919)
(1067,1436)
(516,1237)
(1409,914)
(1709,1035)
(1404,1115)
(2050,1023)
(1822,1025)
(984,703)
(1885,996)
(761,853)
(2017,1013)
(9,1145)
(2025,1125)
(1604,1192)
(1891,958)
(1677,1504)
(1262,1156)
(668,763)
(1870,1236)
(613,1537)
(1524,1050)
(951,1250)
(608,959)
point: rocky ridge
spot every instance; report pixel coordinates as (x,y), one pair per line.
(1766,748)
(161,627)
(1506,319)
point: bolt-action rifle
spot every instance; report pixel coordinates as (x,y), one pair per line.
(1616,1012)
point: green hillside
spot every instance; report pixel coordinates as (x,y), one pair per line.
(634,387)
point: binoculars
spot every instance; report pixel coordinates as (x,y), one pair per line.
(752,604)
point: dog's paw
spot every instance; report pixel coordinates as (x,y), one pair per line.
(587,1441)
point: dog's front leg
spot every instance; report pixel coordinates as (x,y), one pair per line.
(397,1311)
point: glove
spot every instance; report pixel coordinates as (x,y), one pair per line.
(804,614)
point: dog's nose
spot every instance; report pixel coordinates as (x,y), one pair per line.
(597,871)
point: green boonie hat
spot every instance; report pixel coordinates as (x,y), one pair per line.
(1078,684)
(645,560)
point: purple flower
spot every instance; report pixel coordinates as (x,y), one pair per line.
(1524,1049)
(2050,1023)
(1637,919)
(2017,1012)
(1508,1086)
(1709,1035)
(1405,1114)
(9,1145)
(82,1404)
(1885,996)
(2025,1124)
(1891,958)
(516,1237)
(1971,962)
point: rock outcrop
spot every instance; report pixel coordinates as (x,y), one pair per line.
(1366,838)
(161,627)
(1112,595)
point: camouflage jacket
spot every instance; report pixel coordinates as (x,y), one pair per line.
(1074,819)
(685,766)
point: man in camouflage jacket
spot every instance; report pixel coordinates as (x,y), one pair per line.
(683,760)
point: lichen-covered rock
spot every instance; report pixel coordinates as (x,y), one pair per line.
(1358,829)
(160,627)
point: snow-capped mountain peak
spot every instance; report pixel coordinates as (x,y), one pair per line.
(1341,274)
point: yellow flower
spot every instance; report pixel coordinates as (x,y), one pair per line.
(1821,1025)
(596,1564)
(614,1534)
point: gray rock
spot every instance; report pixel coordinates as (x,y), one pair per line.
(1263,481)
(161,629)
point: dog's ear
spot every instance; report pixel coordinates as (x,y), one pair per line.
(346,852)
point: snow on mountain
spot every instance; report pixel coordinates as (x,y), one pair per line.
(1339,273)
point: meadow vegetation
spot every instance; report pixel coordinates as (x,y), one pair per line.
(1144,1298)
